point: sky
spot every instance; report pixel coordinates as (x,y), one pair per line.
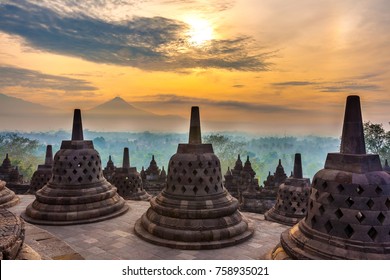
(265,67)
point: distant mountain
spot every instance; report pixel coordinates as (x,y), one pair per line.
(119,115)
(16,106)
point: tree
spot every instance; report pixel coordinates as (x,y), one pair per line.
(377,139)
(21,151)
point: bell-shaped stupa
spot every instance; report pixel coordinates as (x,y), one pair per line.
(194,210)
(349,207)
(292,197)
(7,197)
(77,191)
(43,174)
(128,181)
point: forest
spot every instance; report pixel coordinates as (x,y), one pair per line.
(26,150)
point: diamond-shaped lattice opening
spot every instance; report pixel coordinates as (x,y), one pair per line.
(74,171)
(294,198)
(200,164)
(189,180)
(207,189)
(190,164)
(183,189)
(378,190)
(200,180)
(172,162)
(89,163)
(290,203)
(180,164)
(174,170)
(349,231)
(79,179)
(84,157)
(372,233)
(211,179)
(303,210)
(294,209)
(324,185)
(94,170)
(387,203)
(184,172)
(79,164)
(340,187)
(328,226)
(313,220)
(218,179)
(370,203)
(359,189)
(209,163)
(298,204)
(70,164)
(173,188)
(74,158)
(98,177)
(311,205)
(214,170)
(179,179)
(381,218)
(349,201)
(338,213)
(360,217)
(194,172)
(216,188)
(90,178)
(206,171)
(321,209)
(195,189)
(69,179)
(317,195)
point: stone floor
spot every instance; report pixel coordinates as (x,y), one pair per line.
(115,239)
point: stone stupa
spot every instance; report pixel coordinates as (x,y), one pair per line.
(77,191)
(194,210)
(43,174)
(128,181)
(349,205)
(292,197)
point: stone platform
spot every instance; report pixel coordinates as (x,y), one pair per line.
(115,239)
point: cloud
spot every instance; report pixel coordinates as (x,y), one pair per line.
(238,86)
(348,85)
(155,43)
(19,77)
(173,99)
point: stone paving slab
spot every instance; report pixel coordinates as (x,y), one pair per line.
(115,239)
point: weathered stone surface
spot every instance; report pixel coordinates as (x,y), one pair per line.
(349,205)
(7,197)
(194,211)
(11,235)
(153,178)
(77,191)
(292,198)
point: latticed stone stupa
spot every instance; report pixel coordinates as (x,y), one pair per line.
(194,211)
(77,191)
(43,174)
(109,170)
(7,197)
(128,181)
(349,205)
(291,201)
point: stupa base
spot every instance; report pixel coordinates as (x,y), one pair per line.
(201,245)
(273,216)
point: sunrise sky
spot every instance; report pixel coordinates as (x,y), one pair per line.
(270,66)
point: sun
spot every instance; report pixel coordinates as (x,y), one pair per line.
(200,31)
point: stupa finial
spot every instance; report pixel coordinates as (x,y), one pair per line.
(298,166)
(195,133)
(126,158)
(77,131)
(49,155)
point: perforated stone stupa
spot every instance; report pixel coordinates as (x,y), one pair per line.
(128,181)
(43,174)
(293,194)
(194,211)
(153,178)
(7,197)
(77,191)
(109,170)
(349,205)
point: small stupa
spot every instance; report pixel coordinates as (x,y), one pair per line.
(77,191)
(128,181)
(194,210)
(349,206)
(109,170)
(291,201)
(44,172)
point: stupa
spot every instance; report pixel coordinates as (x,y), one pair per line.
(194,211)
(233,179)
(77,191)
(349,205)
(12,235)
(291,201)
(11,175)
(7,197)
(43,174)
(153,178)
(109,170)
(128,181)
